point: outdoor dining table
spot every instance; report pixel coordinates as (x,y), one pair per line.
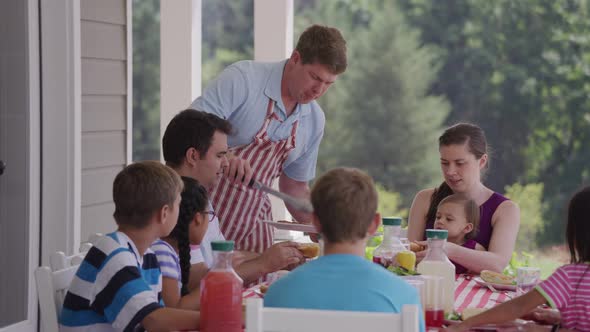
(468,293)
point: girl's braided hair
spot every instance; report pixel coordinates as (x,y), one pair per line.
(194,199)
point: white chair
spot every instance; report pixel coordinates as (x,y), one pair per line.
(261,319)
(59,260)
(52,287)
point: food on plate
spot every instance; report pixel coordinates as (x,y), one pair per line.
(416,247)
(309,250)
(263,288)
(470,312)
(496,278)
(406,259)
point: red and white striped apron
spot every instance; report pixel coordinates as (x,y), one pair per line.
(241,210)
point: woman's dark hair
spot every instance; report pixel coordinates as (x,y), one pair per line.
(194,199)
(459,134)
(577,230)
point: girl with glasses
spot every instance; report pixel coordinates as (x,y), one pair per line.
(173,251)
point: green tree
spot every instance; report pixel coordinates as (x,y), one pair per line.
(559,149)
(380,116)
(518,68)
(390,203)
(529,198)
(228,35)
(146,80)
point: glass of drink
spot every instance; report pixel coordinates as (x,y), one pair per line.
(526,279)
(418,283)
(434,313)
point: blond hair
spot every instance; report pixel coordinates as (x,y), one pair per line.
(345,201)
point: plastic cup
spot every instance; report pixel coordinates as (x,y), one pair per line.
(434,309)
(526,279)
(418,283)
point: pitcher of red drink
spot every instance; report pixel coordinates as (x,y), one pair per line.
(221,292)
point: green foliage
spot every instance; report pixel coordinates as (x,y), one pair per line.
(146,80)
(530,200)
(389,203)
(228,35)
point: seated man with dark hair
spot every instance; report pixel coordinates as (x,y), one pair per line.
(195,146)
(345,205)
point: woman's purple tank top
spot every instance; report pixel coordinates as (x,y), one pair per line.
(486,211)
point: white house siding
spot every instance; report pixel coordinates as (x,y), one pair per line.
(103,33)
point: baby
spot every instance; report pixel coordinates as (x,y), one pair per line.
(460,217)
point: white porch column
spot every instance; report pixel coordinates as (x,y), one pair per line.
(180,57)
(273,41)
(273,29)
(61,120)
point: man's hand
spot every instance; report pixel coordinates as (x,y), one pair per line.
(280,256)
(239,171)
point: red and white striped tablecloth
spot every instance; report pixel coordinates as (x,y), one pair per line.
(469,293)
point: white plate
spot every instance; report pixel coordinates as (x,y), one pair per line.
(292,226)
(496,286)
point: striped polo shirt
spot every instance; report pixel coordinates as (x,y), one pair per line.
(568,289)
(114,288)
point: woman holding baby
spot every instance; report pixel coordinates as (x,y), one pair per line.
(475,244)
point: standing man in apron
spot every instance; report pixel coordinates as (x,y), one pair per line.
(278,127)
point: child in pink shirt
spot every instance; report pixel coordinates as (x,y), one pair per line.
(567,289)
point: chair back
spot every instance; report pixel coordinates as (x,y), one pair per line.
(59,260)
(261,319)
(52,287)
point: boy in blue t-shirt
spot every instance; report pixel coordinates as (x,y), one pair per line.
(118,285)
(345,205)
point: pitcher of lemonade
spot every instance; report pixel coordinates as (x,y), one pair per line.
(436,263)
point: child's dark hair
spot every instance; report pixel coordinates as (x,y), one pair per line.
(471,211)
(141,189)
(461,133)
(191,129)
(194,199)
(578,228)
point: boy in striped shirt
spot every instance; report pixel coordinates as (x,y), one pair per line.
(117,287)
